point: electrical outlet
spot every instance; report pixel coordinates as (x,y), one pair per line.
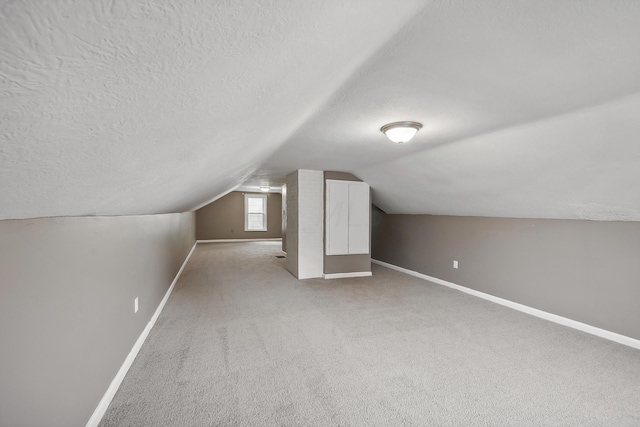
(455,264)
(135,305)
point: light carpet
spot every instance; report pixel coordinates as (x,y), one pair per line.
(242,342)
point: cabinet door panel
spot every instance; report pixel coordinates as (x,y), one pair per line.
(337,215)
(358,218)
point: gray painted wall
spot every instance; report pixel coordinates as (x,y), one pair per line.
(67,287)
(224,218)
(583,270)
(343,263)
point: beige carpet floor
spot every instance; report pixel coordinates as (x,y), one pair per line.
(242,342)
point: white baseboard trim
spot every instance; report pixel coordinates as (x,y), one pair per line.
(115,383)
(343,275)
(602,333)
(275,239)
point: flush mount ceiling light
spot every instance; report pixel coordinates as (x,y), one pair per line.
(265,189)
(400,132)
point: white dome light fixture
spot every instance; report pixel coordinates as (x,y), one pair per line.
(400,132)
(265,189)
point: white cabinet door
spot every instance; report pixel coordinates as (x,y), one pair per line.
(337,218)
(358,218)
(347,217)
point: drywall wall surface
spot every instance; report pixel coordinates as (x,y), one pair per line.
(67,319)
(343,263)
(582,270)
(224,218)
(310,223)
(304,223)
(347,263)
(283,197)
(292,223)
(341,176)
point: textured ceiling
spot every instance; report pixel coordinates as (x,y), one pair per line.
(530,108)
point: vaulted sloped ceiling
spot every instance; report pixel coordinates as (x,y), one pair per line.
(530,108)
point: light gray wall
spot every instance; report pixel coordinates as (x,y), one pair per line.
(292,223)
(343,263)
(583,270)
(224,218)
(284,218)
(67,287)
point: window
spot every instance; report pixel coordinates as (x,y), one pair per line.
(255,212)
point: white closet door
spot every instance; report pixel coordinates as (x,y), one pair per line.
(358,218)
(337,217)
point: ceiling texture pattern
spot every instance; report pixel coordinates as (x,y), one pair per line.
(530,108)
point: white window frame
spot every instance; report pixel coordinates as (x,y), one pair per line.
(248,196)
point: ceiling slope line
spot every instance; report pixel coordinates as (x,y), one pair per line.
(515,127)
(355,69)
(309,66)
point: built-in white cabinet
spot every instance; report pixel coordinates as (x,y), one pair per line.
(347,217)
